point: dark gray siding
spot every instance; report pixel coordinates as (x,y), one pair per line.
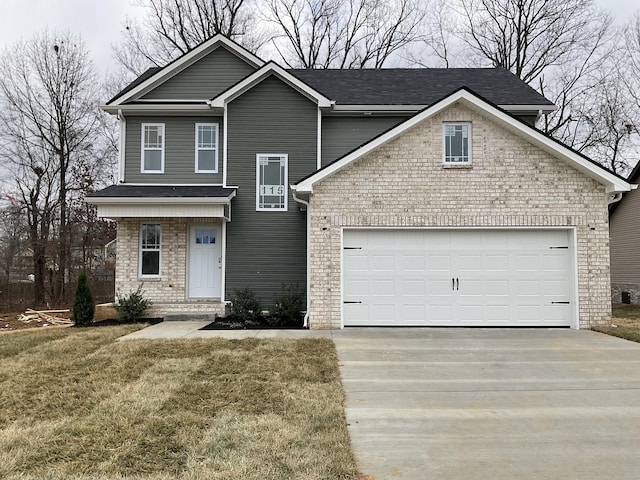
(624,231)
(267,249)
(340,134)
(205,79)
(179,155)
(530,119)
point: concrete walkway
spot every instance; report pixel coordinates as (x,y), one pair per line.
(429,403)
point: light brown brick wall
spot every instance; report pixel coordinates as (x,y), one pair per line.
(169,292)
(511,184)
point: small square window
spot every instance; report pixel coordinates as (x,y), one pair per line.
(457,143)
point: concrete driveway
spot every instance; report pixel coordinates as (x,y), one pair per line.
(492,403)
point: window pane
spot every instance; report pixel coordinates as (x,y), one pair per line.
(206,136)
(151,262)
(151,236)
(153,160)
(272,186)
(152,136)
(206,160)
(456,143)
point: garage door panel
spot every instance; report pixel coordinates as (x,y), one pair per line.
(413,263)
(506,277)
(383,263)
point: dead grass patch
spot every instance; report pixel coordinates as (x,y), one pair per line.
(625,323)
(77,405)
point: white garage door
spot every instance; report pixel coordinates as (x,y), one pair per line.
(458,277)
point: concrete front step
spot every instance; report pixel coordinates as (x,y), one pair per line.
(190,317)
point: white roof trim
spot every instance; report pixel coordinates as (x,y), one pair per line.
(529,108)
(156,108)
(159,200)
(602,176)
(270,68)
(186,60)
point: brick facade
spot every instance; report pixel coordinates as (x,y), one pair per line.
(511,183)
(168,293)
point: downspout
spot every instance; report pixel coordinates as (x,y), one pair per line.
(306,204)
(123,134)
(616,197)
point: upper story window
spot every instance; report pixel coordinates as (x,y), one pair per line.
(206,147)
(152,160)
(150,250)
(271,182)
(457,143)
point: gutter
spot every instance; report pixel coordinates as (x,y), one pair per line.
(306,204)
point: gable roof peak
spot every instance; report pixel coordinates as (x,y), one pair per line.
(154,76)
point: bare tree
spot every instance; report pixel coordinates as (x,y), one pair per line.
(174,27)
(12,236)
(49,91)
(342,33)
(528,36)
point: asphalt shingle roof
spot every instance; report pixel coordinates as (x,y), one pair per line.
(418,86)
(162,191)
(405,86)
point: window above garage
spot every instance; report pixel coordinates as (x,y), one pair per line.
(456,144)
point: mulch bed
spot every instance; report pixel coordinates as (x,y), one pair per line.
(233,323)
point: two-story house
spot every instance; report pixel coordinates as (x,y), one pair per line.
(396,196)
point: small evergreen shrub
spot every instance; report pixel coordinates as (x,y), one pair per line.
(83,306)
(287,307)
(131,307)
(245,306)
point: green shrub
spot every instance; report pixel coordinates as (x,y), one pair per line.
(245,306)
(83,306)
(287,307)
(131,307)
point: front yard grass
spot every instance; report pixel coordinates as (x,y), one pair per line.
(76,404)
(625,323)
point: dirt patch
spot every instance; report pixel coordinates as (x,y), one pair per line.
(105,315)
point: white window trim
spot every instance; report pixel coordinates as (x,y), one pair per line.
(142,148)
(159,274)
(217,147)
(286,182)
(444,144)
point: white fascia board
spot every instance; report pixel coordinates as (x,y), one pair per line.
(270,68)
(156,108)
(529,108)
(417,108)
(377,108)
(188,59)
(602,176)
(160,200)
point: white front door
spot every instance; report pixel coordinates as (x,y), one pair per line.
(205,261)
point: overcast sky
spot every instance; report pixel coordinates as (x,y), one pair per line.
(99,22)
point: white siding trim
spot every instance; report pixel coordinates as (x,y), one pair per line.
(197,149)
(223,273)
(122,146)
(319,160)
(612,182)
(140,275)
(285,183)
(258,76)
(142,148)
(160,211)
(186,60)
(224,148)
